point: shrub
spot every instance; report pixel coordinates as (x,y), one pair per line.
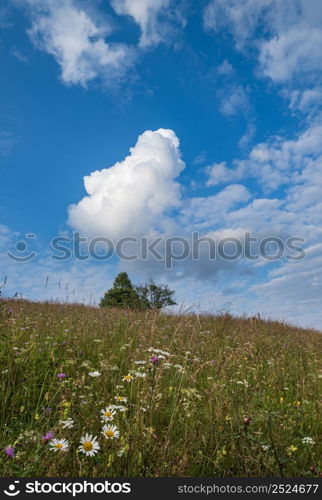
(125,295)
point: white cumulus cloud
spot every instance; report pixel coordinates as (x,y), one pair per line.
(135,195)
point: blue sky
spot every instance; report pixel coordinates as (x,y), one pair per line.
(221,101)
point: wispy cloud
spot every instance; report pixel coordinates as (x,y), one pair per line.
(78,42)
(285,34)
(234,101)
(156,18)
(7,142)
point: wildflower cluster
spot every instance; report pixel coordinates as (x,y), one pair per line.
(89,444)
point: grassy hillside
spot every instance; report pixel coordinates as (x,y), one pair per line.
(206,396)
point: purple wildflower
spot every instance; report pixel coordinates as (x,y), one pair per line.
(61,376)
(10,451)
(154,360)
(47,437)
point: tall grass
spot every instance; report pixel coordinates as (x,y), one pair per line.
(227,397)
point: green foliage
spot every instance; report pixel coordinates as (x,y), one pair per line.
(153,296)
(122,294)
(126,296)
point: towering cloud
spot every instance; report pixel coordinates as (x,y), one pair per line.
(135,195)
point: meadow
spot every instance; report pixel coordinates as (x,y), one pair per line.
(103,392)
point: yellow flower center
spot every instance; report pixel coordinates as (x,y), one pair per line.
(128,377)
(88,446)
(109,433)
(108,414)
(59,445)
(120,398)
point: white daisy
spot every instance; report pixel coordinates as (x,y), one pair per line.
(59,444)
(108,414)
(89,445)
(110,432)
(128,378)
(94,374)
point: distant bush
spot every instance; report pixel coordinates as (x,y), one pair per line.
(153,296)
(125,295)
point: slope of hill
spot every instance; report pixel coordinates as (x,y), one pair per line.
(189,395)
